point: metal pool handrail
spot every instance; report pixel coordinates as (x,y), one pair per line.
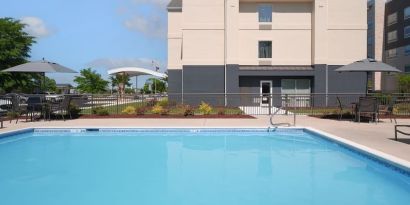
(396,130)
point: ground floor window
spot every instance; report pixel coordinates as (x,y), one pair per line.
(296,92)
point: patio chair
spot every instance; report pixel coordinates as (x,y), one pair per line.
(3,115)
(18,108)
(340,106)
(387,110)
(34,105)
(60,108)
(368,106)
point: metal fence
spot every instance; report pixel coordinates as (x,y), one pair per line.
(241,103)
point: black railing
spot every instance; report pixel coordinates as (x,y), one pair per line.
(233,104)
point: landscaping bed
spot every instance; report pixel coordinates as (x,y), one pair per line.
(153,116)
(162,109)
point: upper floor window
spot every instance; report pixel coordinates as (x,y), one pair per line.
(265,49)
(265,13)
(370,40)
(407,13)
(407,50)
(407,32)
(391,53)
(370,25)
(392,36)
(392,18)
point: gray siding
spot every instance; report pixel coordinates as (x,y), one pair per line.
(175,85)
(211,79)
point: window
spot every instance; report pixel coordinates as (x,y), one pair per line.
(265,49)
(407,32)
(407,13)
(391,53)
(370,25)
(407,68)
(370,40)
(265,13)
(392,19)
(392,36)
(407,50)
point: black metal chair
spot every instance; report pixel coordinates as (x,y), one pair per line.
(18,108)
(61,108)
(368,106)
(388,110)
(3,115)
(35,105)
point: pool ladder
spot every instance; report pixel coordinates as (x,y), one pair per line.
(276,125)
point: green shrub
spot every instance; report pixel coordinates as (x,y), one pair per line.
(163,102)
(13,114)
(157,109)
(74,110)
(129,110)
(205,108)
(100,111)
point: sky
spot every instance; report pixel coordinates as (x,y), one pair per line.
(100,34)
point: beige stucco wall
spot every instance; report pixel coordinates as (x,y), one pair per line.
(303,32)
(174,40)
(347,31)
(290,33)
(203,14)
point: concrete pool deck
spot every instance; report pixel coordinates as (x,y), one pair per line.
(375,136)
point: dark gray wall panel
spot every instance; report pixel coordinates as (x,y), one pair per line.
(204,79)
(346,82)
(174,85)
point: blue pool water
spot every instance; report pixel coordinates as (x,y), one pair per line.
(191,168)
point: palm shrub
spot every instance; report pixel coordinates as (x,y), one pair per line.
(205,108)
(157,109)
(129,110)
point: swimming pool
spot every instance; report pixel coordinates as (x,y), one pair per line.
(191,166)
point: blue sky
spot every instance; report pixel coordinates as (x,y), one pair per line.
(101,34)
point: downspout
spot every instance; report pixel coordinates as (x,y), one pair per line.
(225,50)
(327,84)
(182,69)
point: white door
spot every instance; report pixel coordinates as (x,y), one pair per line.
(266,92)
(296,92)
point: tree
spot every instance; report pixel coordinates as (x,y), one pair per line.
(15,46)
(121,81)
(157,85)
(90,81)
(50,85)
(404,83)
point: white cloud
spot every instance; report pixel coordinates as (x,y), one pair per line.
(152,26)
(109,63)
(36,26)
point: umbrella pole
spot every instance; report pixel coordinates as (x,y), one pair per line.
(44,83)
(136,84)
(367,83)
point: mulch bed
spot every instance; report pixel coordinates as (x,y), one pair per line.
(331,117)
(168,116)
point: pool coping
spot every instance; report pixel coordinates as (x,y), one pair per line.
(398,164)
